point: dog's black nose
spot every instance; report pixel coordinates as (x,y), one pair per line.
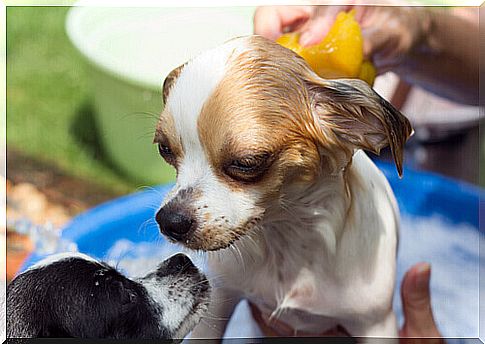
(179,263)
(175,225)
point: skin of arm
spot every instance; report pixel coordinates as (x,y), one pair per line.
(447,60)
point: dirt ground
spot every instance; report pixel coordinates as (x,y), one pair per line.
(41,194)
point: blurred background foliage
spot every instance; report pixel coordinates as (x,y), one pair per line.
(47,89)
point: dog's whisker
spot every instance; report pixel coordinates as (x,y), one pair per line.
(209,315)
(217,299)
(288,208)
(215,315)
(201,282)
(210,326)
(143,114)
(247,240)
(238,256)
(243,262)
(151,189)
(154,207)
(214,255)
(146,134)
(252,240)
(276,314)
(159,240)
(144,225)
(213,278)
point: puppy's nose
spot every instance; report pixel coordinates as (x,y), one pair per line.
(175,225)
(179,263)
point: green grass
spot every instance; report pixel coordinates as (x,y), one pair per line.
(47,86)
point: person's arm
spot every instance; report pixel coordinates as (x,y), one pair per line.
(436,49)
(447,61)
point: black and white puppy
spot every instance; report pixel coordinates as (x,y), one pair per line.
(70,295)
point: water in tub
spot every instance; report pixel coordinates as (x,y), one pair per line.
(452,250)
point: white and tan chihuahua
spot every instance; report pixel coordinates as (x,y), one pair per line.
(269,165)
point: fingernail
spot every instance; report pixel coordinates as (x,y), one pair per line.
(422,276)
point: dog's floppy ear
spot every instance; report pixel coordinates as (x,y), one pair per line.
(170,80)
(351,111)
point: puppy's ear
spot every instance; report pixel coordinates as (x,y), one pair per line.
(350,111)
(170,80)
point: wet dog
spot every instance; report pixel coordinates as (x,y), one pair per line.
(73,295)
(270,163)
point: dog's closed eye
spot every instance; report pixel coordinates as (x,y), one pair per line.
(248,168)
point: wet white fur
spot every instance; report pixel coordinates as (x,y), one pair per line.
(61,256)
(334,268)
(176,310)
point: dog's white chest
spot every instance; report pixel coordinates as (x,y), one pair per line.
(297,303)
(323,273)
(292,287)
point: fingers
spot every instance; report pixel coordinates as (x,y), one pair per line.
(272,21)
(416,300)
(389,33)
(316,29)
(267,22)
(313,22)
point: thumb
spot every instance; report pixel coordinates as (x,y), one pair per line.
(416,301)
(272,21)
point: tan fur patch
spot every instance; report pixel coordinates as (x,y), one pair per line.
(353,115)
(260,106)
(271,100)
(165,133)
(170,80)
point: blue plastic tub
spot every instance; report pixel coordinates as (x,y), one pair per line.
(424,200)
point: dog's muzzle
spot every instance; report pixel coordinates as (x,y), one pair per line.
(176,265)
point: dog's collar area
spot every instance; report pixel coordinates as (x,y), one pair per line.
(277,328)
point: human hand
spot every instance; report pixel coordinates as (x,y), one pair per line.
(416,305)
(272,21)
(390,32)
